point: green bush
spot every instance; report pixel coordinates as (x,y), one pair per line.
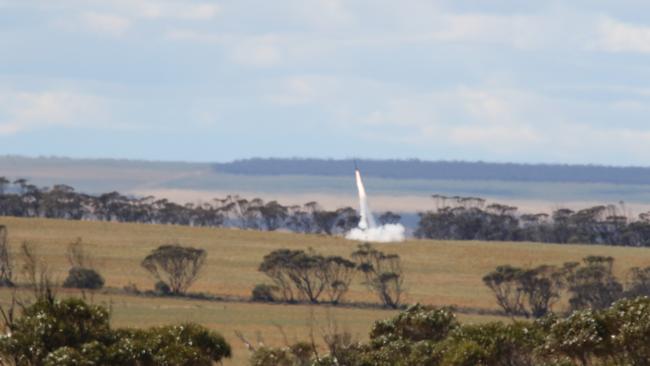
(432,337)
(162,288)
(493,343)
(71,332)
(265,293)
(416,323)
(299,354)
(83,278)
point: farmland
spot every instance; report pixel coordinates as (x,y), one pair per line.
(436,272)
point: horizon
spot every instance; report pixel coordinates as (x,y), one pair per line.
(299,158)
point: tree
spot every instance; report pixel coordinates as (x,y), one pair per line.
(273,214)
(593,285)
(339,273)
(389,217)
(382,272)
(541,287)
(504,283)
(4,182)
(6,265)
(175,265)
(275,265)
(307,274)
(304,272)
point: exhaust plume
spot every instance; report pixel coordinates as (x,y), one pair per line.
(368,229)
(366,220)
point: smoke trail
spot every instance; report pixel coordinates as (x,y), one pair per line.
(366,220)
(368,230)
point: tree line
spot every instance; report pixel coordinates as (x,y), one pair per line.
(472,218)
(532,292)
(454,218)
(22,199)
(439,170)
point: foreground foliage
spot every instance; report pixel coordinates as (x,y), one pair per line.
(433,337)
(72,332)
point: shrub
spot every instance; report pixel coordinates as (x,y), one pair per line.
(71,332)
(162,288)
(299,354)
(493,343)
(264,293)
(416,323)
(83,278)
(131,288)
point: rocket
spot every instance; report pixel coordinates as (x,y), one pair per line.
(366,221)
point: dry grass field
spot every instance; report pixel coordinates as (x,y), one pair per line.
(436,272)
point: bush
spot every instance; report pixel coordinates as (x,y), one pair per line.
(162,288)
(299,354)
(264,293)
(432,337)
(71,332)
(416,323)
(83,278)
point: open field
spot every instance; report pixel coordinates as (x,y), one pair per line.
(436,272)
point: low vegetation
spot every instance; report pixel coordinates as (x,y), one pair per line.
(429,336)
(70,332)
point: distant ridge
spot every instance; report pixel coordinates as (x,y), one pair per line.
(440,170)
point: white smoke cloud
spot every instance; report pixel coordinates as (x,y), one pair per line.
(381,234)
(368,230)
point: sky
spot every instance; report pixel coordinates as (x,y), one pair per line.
(502,80)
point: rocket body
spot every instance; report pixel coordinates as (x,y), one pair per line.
(366,221)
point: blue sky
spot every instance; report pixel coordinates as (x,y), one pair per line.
(543,81)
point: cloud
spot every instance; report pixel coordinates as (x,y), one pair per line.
(261,51)
(519,31)
(170,9)
(302,89)
(108,24)
(617,36)
(191,35)
(25,111)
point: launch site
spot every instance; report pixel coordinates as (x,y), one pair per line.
(324,183)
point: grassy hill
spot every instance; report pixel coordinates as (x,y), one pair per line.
(436,272)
